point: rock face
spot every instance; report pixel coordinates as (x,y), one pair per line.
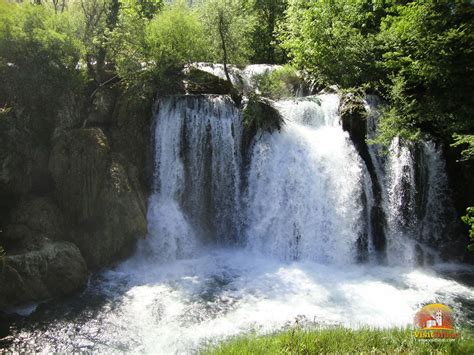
(73,201)
(31,223)
(101,198)
(56,269)
(200,82)
(38,265)
(353,115)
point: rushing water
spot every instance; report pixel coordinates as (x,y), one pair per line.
(234,249)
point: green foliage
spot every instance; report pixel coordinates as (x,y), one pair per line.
(333,40)
(261,116)
(401,118)
(265,44)
(237,24)
(39,52)
(341,341)
(176,36)
(279,83)
(429,45)
(147,8)
(149,53)
(2,251)
(467,141)
(469,220)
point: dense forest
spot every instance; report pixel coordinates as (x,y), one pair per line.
(417,55)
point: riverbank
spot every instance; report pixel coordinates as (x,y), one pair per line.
(342,340)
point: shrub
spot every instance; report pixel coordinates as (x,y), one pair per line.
(282,82)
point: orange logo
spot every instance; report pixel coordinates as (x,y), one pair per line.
(434,321)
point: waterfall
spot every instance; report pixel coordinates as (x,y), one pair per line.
(196,196)
(242,78)
(293,234)
(305,185)
(308,194)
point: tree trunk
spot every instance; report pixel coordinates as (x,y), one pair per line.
(224,49)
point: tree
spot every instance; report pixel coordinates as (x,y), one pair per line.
(264,37)
(39,53)
(229,26)
(428,45)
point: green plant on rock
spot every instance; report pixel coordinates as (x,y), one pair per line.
(401,119)
(261,116)
(469,220)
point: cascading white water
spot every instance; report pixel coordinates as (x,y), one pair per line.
(197,178)
(304,186)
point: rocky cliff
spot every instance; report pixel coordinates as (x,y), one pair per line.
(73,199)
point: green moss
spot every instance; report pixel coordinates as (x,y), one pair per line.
(341,341)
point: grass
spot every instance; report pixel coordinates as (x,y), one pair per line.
(342,341)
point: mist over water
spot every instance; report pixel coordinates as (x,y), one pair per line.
(233,249)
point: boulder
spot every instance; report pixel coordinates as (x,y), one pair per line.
(354,118)
(31,222)
(201,82)
(57,269)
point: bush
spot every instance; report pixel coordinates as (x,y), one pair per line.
(333,40)
(39,54)
(176,36)
(282,82)
(469,220)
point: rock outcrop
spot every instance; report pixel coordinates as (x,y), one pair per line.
(34,221)
(100,197)
(198,81)
(56,269)
(354,120)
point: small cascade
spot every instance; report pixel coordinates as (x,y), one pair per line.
(303,198)
(415,197)
(196,195)
(419,206)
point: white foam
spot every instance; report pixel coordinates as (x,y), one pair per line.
(179,306)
